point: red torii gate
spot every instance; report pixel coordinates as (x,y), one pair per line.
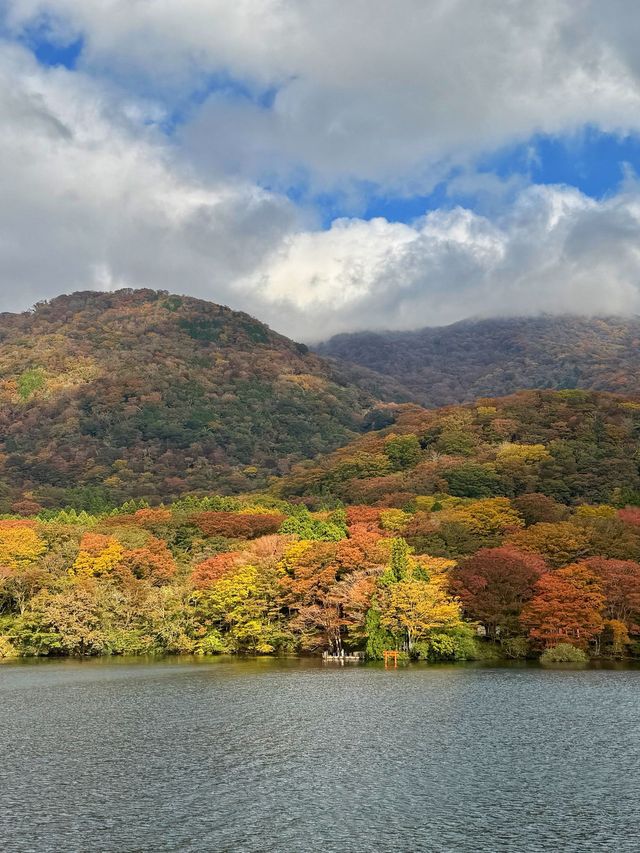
(389,655)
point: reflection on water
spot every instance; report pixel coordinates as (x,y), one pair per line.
(271,755)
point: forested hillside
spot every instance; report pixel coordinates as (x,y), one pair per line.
(108,396)
(573,446)
(458,363)
(504,527)
(466,548)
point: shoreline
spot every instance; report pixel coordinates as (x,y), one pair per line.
(316,662)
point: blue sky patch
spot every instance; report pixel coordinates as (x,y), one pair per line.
(591,160)
(49,48)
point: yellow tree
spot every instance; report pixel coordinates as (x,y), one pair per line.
(20,545)
(414,608)
(98,555)
(485,516)
(243,606)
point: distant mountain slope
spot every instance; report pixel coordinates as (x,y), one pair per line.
(457,363)
(107,396)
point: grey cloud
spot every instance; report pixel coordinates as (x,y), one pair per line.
(94,196)
(99,206)
(553,251)
(393,93)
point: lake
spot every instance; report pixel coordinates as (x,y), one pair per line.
(268,755)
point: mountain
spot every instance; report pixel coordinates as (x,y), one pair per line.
(137,393)
(107,397)
(572,446)
(458,363)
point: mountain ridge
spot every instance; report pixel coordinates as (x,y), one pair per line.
(496,357)
(142,394)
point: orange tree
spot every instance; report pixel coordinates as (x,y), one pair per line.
(567,607)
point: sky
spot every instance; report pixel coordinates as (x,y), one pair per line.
(325,165)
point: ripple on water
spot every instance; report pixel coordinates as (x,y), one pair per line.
(281,756)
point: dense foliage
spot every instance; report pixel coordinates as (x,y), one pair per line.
(566,447)
(504,527)
(454,364)
(448,578)
(110,396)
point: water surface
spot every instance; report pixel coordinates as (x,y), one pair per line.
(266,755)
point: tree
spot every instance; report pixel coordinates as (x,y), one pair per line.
(567,607)
(361,551)
(19,584)
(615,638)
(213,568)
(559,543)
(620,581)
(152,563)
(612,538)
(304,525)
(153,519)
(238,525)
(363,519)
(473,481)
(68,622)
(245,606)
(630,515)
(510,454)
(310,573)
(353,596)
(394,520)
(400,565)
(98,555)
(535,507)
(447,538)
(412,609)
(20,545)
(495,584)
(378,637)
(403,451)
(485,517)
(412,599)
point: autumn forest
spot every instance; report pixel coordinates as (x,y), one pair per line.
(177,478)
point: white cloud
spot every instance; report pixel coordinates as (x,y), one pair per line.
(555,250)
(393,93)
(94,195)
(89,197)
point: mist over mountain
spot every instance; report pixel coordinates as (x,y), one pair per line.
(458,363)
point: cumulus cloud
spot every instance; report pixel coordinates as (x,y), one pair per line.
(92,199)
(97,195)
(393,93)
(554,250)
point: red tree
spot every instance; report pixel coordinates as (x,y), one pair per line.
(212,569)
(494,585)
(620,580)
(567,607)
(363,519)
(630,515)
(238,525)
(153,562)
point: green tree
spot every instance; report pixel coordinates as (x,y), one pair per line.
(403,451)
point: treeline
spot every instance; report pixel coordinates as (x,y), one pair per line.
(507,527)
(448,578)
